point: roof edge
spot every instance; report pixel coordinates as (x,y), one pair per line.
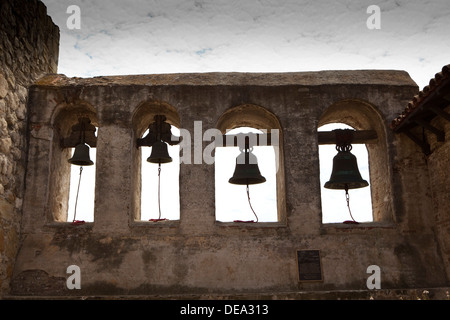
(439,79)
(311,78)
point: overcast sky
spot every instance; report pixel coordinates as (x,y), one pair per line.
(119,37)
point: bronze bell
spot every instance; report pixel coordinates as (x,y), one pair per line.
(81,156)
(246,171)
(159,154)
(345,174)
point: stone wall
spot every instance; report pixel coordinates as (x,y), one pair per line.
(423,130)
(439,171)
(29,45)
(196,254)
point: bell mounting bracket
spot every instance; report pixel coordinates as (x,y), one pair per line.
(344,139)
(82,132)
(159,130)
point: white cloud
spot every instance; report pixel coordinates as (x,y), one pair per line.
(128,37)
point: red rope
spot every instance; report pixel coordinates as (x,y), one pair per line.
(77,222)
(249,221)
(156,220)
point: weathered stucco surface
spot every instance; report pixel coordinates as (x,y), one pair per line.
(195,255)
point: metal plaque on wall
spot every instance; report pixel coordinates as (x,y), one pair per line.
(309,265)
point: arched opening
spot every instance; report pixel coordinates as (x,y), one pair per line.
(82,190)
(362,116)
(160,188)
(155,191)
(64,177)
(267,200)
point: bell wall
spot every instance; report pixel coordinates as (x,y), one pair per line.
(197,255)
(120,255)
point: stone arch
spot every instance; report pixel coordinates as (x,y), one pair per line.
(144,113)
(357,113)
(65,115)
(248,115)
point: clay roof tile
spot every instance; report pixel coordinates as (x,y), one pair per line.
(426,91)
